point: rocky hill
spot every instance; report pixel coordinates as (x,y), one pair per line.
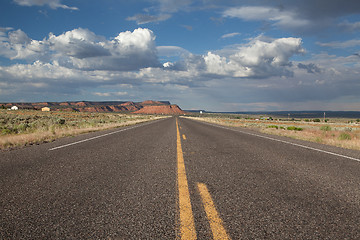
(163,109)
(146,107)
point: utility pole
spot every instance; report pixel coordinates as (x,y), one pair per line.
(324,116)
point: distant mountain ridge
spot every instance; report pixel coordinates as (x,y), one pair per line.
(146,107)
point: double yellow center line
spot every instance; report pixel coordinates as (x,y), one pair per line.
(187,225)
(186,217)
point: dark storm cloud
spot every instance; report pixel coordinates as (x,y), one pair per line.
(310,68)
(307,16)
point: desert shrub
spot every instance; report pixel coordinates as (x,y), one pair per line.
(53,129)
(344,136)
(293,128)
(325,128)
(348,129)
(22,127)
(282,128)
(316,120)
(273,126)
(306,120)
(61,121)
(6,131)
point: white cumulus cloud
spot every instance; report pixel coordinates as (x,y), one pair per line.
(258,58)
(78,43)
(17,45)
(83,49)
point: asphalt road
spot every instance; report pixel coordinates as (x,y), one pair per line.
(126,184)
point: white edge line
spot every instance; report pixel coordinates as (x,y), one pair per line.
(278,140)
(107,134)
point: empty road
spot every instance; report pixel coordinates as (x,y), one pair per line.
(179,179)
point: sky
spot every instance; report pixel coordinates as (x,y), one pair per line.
(228,55)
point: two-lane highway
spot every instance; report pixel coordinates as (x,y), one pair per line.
(120,186)
(267,189)
(179,178)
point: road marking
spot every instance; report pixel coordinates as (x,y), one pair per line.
(282,141)
(214,219)
(184,137)
(107,134)
(187,225)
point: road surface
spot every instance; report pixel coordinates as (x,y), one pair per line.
(179,179)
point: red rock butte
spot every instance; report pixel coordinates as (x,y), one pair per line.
(150,102)
(163,109)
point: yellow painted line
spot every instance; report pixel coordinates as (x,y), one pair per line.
(184,137)
(187,225)
(214,219)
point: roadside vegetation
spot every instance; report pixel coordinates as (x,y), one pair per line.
(343,133)
(27,127)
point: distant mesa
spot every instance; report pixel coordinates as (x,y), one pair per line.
(164,109)
(145,107)
(128,104)
(150,102)
(79,104)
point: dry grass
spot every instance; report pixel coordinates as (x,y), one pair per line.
(339,133)
(21,128)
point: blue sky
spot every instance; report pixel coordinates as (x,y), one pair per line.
(215,55)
